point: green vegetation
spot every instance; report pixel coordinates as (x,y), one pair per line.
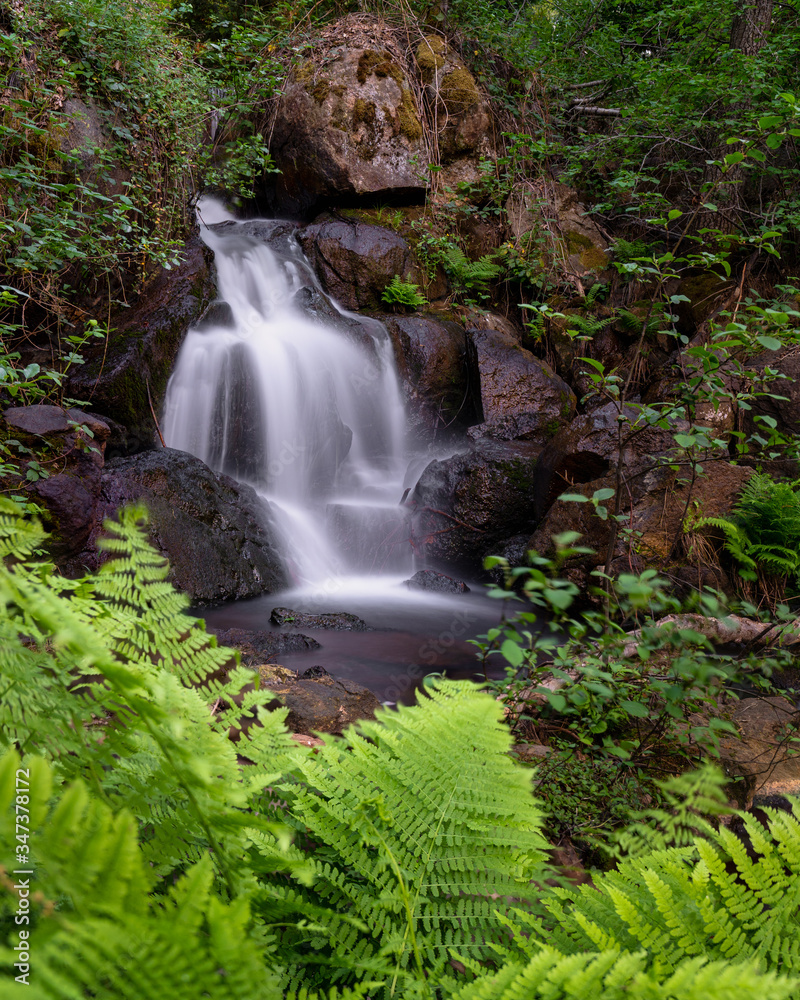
(391,862)
(403,293)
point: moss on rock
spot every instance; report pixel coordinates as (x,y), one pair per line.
(459,91)
(379,64)
(431,56)
(408,116)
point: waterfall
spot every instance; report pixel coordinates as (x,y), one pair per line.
(303,406)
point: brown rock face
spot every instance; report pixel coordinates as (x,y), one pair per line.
(521,396)
(70,445)
(457,114)
(356,261)
(347,124)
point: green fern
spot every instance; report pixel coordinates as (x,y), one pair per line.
(762,533)
(715,901)
(423,808)
(470,275)
(95,927)
(403,293)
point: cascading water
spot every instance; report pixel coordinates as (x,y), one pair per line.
(305,409)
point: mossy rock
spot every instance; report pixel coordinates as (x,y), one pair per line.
(459,91)
(431,56)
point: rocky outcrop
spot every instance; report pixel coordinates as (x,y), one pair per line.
(125,379)
(467,505)
(215,532)
(551,213)
(432,364)
(437,583)
(655,504)
(588,448)
(317,701)
(348,123)
(356,261)
(338,621)
(69,445)
(521,396)
(457,113)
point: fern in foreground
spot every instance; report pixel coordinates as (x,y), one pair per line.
(419,822)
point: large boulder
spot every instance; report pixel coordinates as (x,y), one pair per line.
(466,506)
(348,123)
(126,380)
(69,445)
(355,261)
(431,358)
(215,532)
(521,396)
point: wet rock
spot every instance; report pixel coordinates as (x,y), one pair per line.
(347,123)
(215,532)
(257,646)
(521,396)
(438,583)
(355,261)
(319,703)
(432,364)
(142,349)
(466,505)
(337,620)
(73,443)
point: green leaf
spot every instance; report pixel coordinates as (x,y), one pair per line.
(771,343)
(513,652)
(606,493)
(636,709)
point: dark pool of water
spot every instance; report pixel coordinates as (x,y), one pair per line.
(417,633)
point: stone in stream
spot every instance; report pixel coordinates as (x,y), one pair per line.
(261,646)
(340,621)
(317,701)
(439,583)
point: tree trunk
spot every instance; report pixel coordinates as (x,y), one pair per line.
(751,26)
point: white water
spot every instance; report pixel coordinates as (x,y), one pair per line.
(307,413)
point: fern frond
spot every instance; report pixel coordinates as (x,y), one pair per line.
(424,818)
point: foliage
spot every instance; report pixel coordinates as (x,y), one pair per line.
(403,293)
(161,856)
(616,708)
(762,534)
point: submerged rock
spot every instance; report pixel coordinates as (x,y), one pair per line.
(215,532)
(339,621)
(439,583)
(317,701)
(258,646)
